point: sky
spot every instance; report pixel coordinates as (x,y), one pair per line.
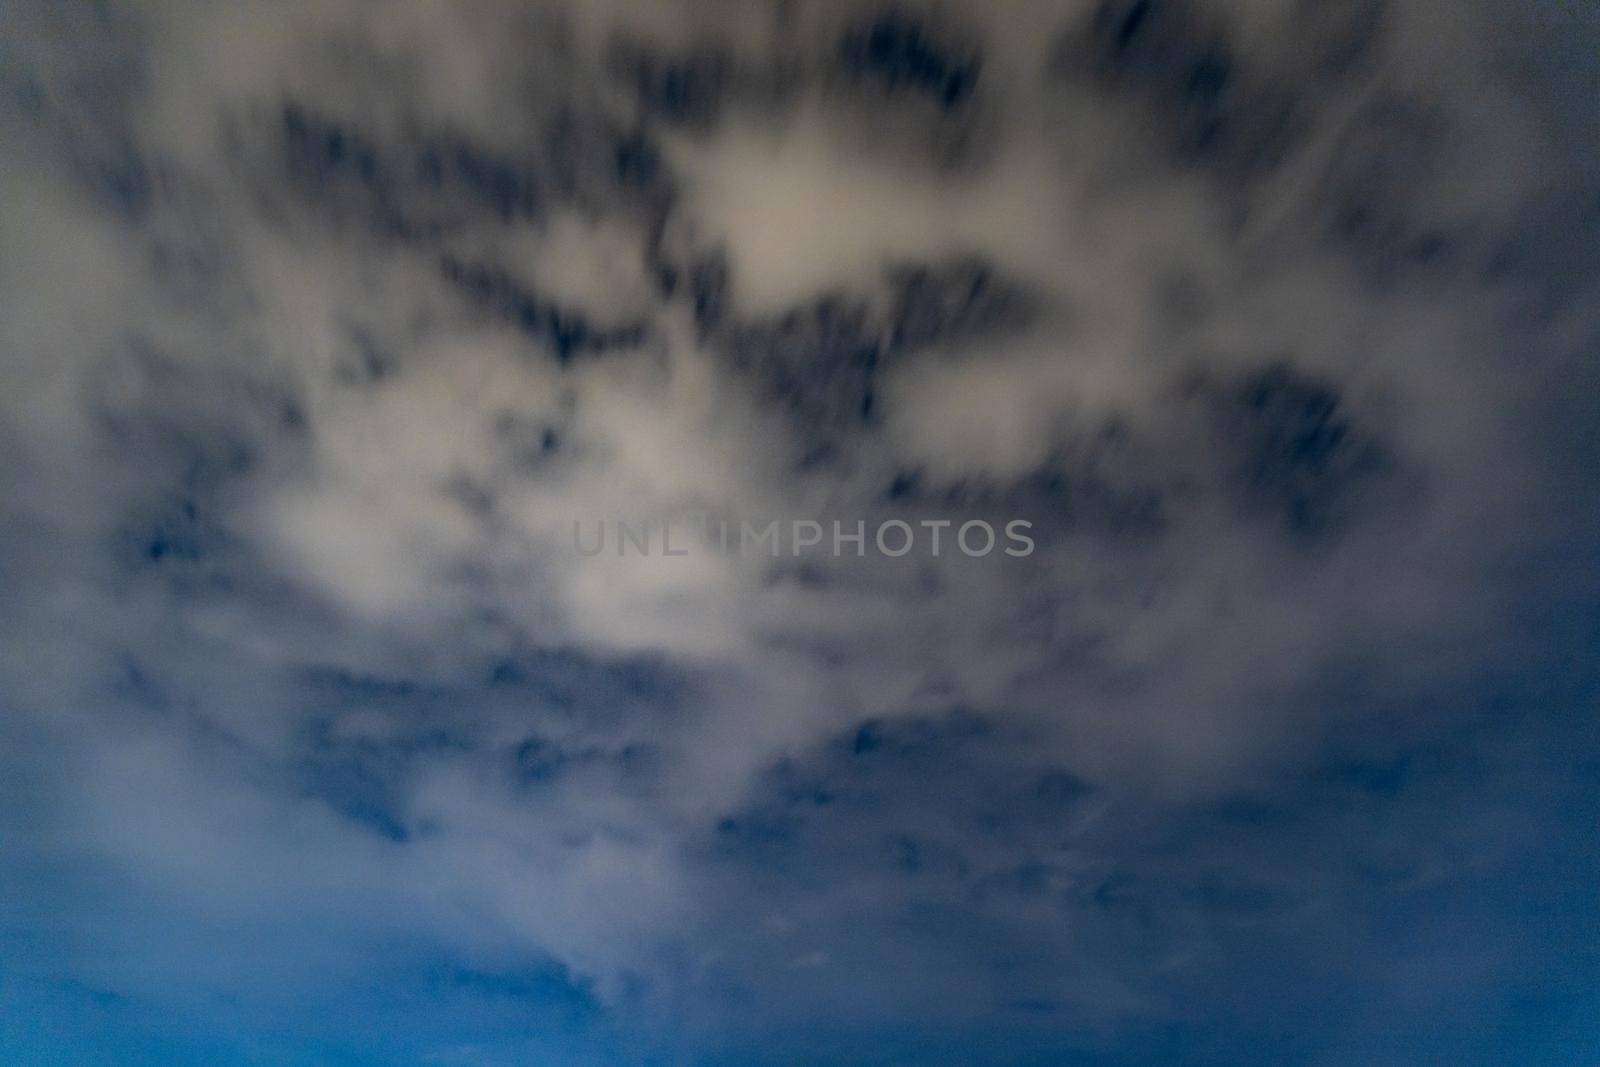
(330,331)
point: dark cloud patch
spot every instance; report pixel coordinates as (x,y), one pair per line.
(319,151)
(1377,191)
(1164,51)
(423,183)
(689,89)
(816,362)
(1292,878)
(351,789)
(1300,454)
(954,301)
(897,52)
(887,800)
(173,534)
(1077,491)
(553,987)
(341,170)
(605,687)
(533,442)
(603,164)
(631,767)
(368,361)
(1180,66)
(709,284)
(123,177)
(568,333)
(822,361)
(509,188)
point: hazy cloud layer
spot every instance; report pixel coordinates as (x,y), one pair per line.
(323,323)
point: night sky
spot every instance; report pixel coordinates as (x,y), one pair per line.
(327,328)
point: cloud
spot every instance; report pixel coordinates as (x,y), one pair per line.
(326,327)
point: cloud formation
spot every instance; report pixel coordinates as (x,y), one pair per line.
(324,323)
